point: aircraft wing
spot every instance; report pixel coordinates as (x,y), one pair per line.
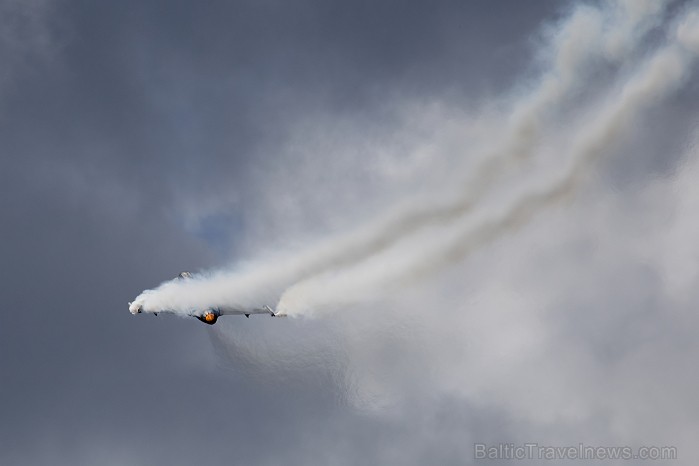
(246,312)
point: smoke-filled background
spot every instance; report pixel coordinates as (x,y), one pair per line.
(479,217)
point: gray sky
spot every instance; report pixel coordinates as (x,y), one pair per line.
(142,138)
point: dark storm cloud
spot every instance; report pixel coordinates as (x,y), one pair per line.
(137,105)
(169,96)
(171,82)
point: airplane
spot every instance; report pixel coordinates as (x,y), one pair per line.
(210,316)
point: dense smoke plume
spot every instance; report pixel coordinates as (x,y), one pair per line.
(535,155)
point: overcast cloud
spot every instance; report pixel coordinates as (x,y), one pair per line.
(139,139)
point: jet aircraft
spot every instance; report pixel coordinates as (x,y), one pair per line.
(208,316)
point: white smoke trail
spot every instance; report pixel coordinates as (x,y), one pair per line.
(588,34)
(661,74)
